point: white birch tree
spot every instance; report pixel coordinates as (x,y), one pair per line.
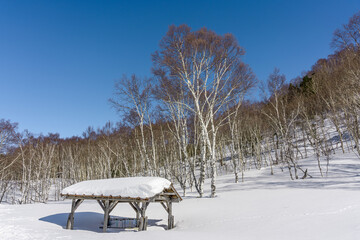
(209,66)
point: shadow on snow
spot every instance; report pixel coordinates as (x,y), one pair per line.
(92,221)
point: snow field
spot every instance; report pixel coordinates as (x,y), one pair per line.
(262,207)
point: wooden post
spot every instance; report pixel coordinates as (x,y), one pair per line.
(74,205)
(170,216)
(112,205)
(143,219)
(168,208)
(138,215)
(70,221)
(106,215)
(145,223)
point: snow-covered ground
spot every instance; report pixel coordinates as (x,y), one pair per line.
(262,207)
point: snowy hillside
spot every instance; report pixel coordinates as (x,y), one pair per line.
(263,207)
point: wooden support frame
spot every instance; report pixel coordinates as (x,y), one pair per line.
(107,206)
(139,205)
(75,204)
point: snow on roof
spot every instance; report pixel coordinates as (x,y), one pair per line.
(131,187)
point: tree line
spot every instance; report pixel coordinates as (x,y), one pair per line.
(191,121)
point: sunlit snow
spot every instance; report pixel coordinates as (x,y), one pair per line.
(134,187)
(262,207)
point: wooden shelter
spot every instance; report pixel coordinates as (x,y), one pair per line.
(108,202)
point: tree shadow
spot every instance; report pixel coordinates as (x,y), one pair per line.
(341,175)
(336,139)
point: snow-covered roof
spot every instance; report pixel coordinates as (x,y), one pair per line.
(132,187)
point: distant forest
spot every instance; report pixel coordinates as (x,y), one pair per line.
(191,121)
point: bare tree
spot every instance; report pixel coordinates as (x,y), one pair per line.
(209,66)
(132,97)
(348,36)
(282,115)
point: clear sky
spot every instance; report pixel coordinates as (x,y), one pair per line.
(59,59)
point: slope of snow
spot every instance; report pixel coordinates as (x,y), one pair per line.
(133,187)
(263,207)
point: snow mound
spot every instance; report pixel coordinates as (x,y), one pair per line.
(132,187)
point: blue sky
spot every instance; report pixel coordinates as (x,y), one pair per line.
(59,59)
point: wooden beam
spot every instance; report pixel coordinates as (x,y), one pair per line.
(164,198)
(101,197)
(78,202)
(176,193)
(112,205)
(101,205)
(133,207)
(165,207)
(136,208)
(160,197)
(168,194)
